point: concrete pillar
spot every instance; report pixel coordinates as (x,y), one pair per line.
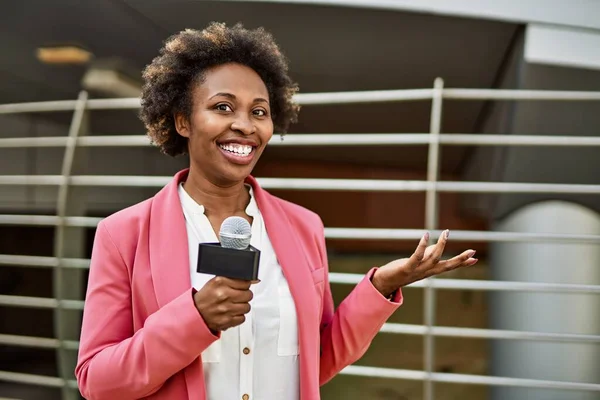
(572,263)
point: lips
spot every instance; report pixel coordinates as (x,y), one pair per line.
(241,150)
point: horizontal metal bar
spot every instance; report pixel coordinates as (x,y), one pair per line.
(40,302)
(108,141)
(377,372)
(83,141)
(302,99)
(39,380)
(518,140)
(37,261)
(516,187)
(32,180)
(37,342)
(382,185)
(356,370)
(86,180)
(393,328)
(333,98)
(28,261)
(131,103)
(326,139)
(457,235)
(30,379)
(120,181)
(48,220)
(418,186)
(351,139)
(345,278)
(30,220)
(440,331)
(371,96)
(43,106)
(453,139)
(473,284)
(510,286)
(344,233)
(343,184)
(448,331)
(23,142)
(517,94)
(28,341)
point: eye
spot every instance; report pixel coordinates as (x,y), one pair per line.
(223,107)
(259,112)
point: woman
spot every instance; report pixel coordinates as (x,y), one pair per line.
(155,328)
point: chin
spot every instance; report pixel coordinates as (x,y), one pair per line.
(237,175)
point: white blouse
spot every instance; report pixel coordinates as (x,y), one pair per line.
(258,359)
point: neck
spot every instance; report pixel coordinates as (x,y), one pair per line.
(217,199)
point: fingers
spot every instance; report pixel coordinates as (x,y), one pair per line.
(234,321)
(233,283)
(465,259)
(232,314)
(238,309)
(438,250)
(426,262)
(223,302)
(241,296)
(419,253)
(225,294)
(429,251)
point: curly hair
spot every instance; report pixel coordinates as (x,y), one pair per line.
(170,78)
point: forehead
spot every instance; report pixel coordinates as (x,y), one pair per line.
(236,79)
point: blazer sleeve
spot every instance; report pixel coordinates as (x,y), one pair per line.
(115,362)
(346,333)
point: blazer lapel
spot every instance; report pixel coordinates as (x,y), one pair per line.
(169,262)
(286,244)
(292,257)
(169,252)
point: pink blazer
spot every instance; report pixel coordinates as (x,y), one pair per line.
(142,335)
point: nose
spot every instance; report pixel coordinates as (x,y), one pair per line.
(243,125)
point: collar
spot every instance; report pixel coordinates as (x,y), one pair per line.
(192,207)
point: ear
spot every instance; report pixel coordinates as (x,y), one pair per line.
(182,125)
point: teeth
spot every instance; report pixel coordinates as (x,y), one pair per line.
(240,150)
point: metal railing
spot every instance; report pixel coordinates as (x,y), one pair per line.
(431,187)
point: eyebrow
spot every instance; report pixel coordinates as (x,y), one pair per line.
(232,97)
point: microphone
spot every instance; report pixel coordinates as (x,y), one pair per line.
(235,233)
(233,257)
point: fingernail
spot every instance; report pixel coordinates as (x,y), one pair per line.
(473,262)
(426,236)
(471,253)
(446,234)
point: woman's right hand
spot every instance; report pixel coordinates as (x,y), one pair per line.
(223,302)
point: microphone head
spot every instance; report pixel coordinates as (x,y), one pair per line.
(235,233)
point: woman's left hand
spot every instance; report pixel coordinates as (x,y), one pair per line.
(426,261)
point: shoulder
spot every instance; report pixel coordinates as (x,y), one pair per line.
(308,228)
(129,221)
(300,217)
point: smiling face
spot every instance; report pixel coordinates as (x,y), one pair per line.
(230,123)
